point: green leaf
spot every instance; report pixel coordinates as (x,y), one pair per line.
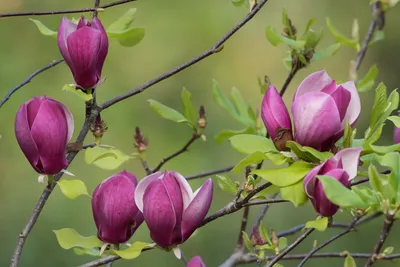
(309,24)
(247,241)
(226,184)
(264,234)
(395,120)
(87,251)
(242,107)
(226,134)
(123,22)
(340,37)
(43,28)
(277,158)
(128,37)
(348,136)
(379,106)
(374,179)
(78,92)
(223,101)
(327,52)
(133,251)
(295,193)
(392,161)
(378,36)
(282,243)
(73,188)
(388,251)
(286,23)
(188,108)
(355,31)
(339,194)
(367,195)
(368,81)
(106,158)
(319,224)
(385,149)
(275,38)
(253,158)
(284,177)
(69,238)
(308,153)
(168,113)
(248,143)
(349,261)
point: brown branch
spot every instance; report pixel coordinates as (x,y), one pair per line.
(243,224)
(185,148)
(42,13)
(208,173)
(27,80)
(289,79)
(217,47)
(267,201)
(96,6)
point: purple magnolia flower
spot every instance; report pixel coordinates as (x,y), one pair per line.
(396,135)
(171,210)
(43,127)
(196,261)
(114,210)
(84,48)
(343,167)
(320,110)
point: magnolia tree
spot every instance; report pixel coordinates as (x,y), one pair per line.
(313,146)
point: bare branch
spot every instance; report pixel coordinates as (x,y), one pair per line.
(289,79)
(214,49)
(267,201)
(208,173)
(43,13)
(27,80)
(96,6)
(100,262)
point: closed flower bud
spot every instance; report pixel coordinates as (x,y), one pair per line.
(343,167)
(84,48)
(43,127)
(196,261)
(321,108)
(171,210)
(396,135)
(114,210)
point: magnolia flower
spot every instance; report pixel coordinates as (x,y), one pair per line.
(84,48)
(320,110)
(196,261)
(43,127)
(343,167)
(114,209)
(171,210)
(396,135)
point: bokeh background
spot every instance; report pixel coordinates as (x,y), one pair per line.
(176,31)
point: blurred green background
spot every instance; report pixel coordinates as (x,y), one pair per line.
(176,30)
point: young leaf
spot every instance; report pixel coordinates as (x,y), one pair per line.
(348,136)
(78,92)
(226,134)
(188,108)
(253,158)
(339,194)
(87,251)
(340,37)
(72,188)
(248,143)
(392,161)
(395,120)
(226,184)
(349,261)
(43,28)
(275,38)
(388,251)
(285,176)
(295,193)
(368,81)
(128,37)
(286,23)
(123,22)
(282,243)
(106,158)
(133,251)
(277,158)
(378,36)
(319,224)
(242,108)
(264,234)
(247,241)
(168,113)
(327,52)
(308,153)
(69,238)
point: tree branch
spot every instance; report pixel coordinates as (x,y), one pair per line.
(195,136)
(208,173)
(42,13)
(289,79)
(27,80)
(101,261)
(267,201)
(96,6)
(217,47)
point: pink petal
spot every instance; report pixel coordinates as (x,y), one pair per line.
(64,30)
(141,188)
(310,180)
(342,98)
(186,190)
(96,23)
(350,158)
(315,82)
(396,135)
(354,108)
(316,119)
(69,118)
(196,261)
(274,112)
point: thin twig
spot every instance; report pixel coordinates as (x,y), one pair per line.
(100,261)
(42,13)
(288,80)
(47,191)
(387,226)
(263,212)
(245,216)
(267,201)
(214,49)
(195,136)
(27,80)
(96,6)
(290,247)
(208,173)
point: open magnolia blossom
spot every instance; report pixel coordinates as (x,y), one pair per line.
(171,210)
(196,261)
(114,209)
(343,167)
(320,110)
(43,127)
(84,48)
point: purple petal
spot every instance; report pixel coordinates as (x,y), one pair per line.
(396,135)
(70,120)
(141,188)
(82,23)
(83,47)
(342,99)
(159,213)
(330,88)
(186,190)
(274,112)
(130,176)
(96,23)
(315,82)
(316,119)
(174,192)
(350,158)
(354,108)
(196,261)
(197,209)
(64,30)
(310,180)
